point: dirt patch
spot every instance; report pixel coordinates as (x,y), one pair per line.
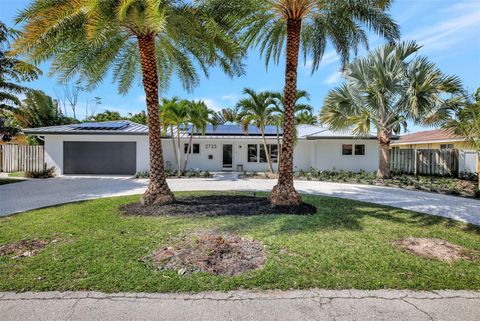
(24,248)
(217,205)
(436,249)
(210,252)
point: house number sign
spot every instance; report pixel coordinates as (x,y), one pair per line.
(210,146)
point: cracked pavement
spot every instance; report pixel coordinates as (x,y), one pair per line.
(315,304)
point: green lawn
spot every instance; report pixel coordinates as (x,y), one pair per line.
(347,244)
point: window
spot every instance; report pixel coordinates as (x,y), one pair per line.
(252,153)
(360,150)
(347,149)
(446,146)
(195,148)
(255,157)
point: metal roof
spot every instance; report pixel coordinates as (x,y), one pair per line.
(123,127)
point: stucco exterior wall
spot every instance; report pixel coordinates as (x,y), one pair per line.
(322,154)
(436,145)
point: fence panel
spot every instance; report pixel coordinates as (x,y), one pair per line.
(21,158)
(443,162)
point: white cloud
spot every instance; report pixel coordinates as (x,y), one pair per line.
(211,103)
(232,98)
(333,78)
(463,26)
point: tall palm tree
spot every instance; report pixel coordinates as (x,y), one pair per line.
(279,26)
(198,117)
(256,110)
(385,90)
(12,71)
(151,38)
(173,116)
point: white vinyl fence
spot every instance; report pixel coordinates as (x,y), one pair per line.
(21,158)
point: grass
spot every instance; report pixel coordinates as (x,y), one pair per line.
(347,244)
(16,174)
(4,181)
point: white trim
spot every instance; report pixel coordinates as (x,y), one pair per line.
(431,142)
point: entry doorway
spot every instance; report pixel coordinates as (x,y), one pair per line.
(227,156)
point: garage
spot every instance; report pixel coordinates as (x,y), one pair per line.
(106,158)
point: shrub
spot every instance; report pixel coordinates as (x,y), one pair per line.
(45,173)
(476,192)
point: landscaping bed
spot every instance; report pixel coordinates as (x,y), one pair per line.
(466,187)
(217,205)
(345,244)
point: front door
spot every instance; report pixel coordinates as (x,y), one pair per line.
(228,156)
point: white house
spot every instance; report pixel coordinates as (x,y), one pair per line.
(121,147)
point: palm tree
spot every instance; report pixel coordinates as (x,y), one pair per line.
(306,118)
(256,110)
(291,25)
(151,38)
(278,116)
(385,90)
(173,115)
(462,116)
(198,117)
(226,115)
(12,72)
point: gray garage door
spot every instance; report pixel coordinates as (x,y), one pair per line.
(116,158)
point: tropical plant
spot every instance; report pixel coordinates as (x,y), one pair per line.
(107,115)
(139,118)
(463,118)
(173,116)
(278,116)
(226,115)
(256,110)
(288,26)
(198,117)
(306,118)
(152,38)
(40,110)
(385,90)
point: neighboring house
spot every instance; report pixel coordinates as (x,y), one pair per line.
(441,139)
(432,139)
(121,147)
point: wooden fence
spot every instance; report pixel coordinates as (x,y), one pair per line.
(424,161)
(21,158)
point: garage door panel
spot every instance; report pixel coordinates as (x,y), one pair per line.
(116,158)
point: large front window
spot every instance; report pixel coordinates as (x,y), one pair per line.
(256,153)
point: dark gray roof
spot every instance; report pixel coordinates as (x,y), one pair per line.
(123,127)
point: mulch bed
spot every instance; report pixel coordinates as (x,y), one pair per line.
(209,252)
(24,248)
(436,249)
(217,205)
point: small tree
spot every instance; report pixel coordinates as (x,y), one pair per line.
(463,118)
(107,115)
(384,90)
(256,110)
(198,116)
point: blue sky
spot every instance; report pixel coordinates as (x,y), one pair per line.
(448,30)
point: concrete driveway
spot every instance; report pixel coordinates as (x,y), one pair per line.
(27,195)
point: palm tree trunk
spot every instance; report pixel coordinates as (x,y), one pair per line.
(174,145)
(179,151)
(384,161)
(267,153)
(279,148)
(189,149)
(284,192)
(158,191)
